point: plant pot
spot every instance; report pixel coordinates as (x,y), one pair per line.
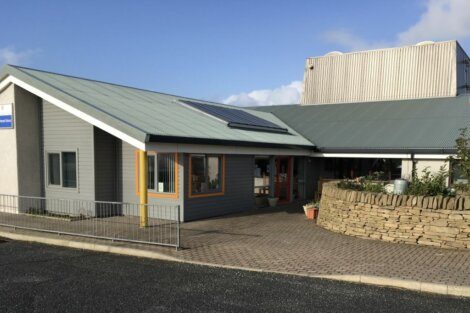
(307,207)
(261,201)
(312,213)
(273,202)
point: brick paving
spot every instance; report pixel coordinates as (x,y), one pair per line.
(283,240)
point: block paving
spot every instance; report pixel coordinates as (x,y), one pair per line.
(283,240)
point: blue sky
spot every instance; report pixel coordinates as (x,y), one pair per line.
(241,52)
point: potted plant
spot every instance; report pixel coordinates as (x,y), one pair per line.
(273,201)
(261,200)
(311,210)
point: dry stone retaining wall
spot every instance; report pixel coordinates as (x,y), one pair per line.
(434,221)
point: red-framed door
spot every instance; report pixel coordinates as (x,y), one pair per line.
(282,179)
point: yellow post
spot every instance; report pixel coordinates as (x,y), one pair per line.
(143,170)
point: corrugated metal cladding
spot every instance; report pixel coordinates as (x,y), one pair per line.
(411,72)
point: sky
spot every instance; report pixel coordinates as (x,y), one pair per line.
(241,52)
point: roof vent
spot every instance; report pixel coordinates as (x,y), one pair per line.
(426,42)
(332,53)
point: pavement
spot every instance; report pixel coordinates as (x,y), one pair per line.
(43,278)
(284,241)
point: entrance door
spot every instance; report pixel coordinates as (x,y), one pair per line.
(282,179)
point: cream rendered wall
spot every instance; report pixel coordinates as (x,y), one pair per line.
(8,153)
(433,166)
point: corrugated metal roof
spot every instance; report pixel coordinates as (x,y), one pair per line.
(146,114)
(425,124)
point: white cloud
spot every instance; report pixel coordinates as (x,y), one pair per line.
(286,94)
(352,42)
(9,55)
(441,20)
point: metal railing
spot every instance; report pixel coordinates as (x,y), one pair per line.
(115,221)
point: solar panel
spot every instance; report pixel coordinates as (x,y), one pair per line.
(236,118)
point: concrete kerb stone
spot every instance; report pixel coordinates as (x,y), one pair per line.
(443,289)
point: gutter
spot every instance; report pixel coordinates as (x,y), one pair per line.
(223,142)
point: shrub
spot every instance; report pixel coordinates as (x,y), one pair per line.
(462,160)
(362,184)
(429,184)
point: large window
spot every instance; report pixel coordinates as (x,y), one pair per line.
(456,176)
(206,174)
(162,172)
(262,175)
(62,169)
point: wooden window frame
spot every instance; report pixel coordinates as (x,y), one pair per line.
(153,193)
(206,194)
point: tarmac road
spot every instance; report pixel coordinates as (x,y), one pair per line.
(41,278)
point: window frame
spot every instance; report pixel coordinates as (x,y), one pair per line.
(221,190)
(47,169)
(153,193)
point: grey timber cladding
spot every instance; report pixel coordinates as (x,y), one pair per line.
(239,190)
(65,132)
(106,166)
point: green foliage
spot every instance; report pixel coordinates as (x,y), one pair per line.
(373,187)
(462,160)
(376,176)
(369,184)
(429,184)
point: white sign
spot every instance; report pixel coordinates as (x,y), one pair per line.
(6,115)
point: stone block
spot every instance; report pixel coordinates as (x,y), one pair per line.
(450,204)
(439,222)
(440,230)
(466,203)
(425,202)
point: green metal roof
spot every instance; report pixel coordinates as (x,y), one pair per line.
(147,115)
(405,125)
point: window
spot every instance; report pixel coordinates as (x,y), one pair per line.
(151,174)
(62,169)
(162,173)
(262,175)
(166,173)
(206,174)
(69,170)
(54,169)
(456,176)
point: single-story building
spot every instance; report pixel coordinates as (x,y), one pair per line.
(65,137)
(74,138)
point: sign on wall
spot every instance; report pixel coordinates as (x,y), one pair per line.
(6,115)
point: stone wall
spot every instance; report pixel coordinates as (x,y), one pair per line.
(434,221)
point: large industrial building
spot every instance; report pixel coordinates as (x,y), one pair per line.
(384,110)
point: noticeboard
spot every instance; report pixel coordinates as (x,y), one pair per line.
(6,115)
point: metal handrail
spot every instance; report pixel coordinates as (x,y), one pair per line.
(117,221)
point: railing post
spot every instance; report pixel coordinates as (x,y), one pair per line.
(143,170)
(178,230)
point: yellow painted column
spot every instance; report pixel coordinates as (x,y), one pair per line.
(143,172)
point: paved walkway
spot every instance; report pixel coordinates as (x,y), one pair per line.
(283,240)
